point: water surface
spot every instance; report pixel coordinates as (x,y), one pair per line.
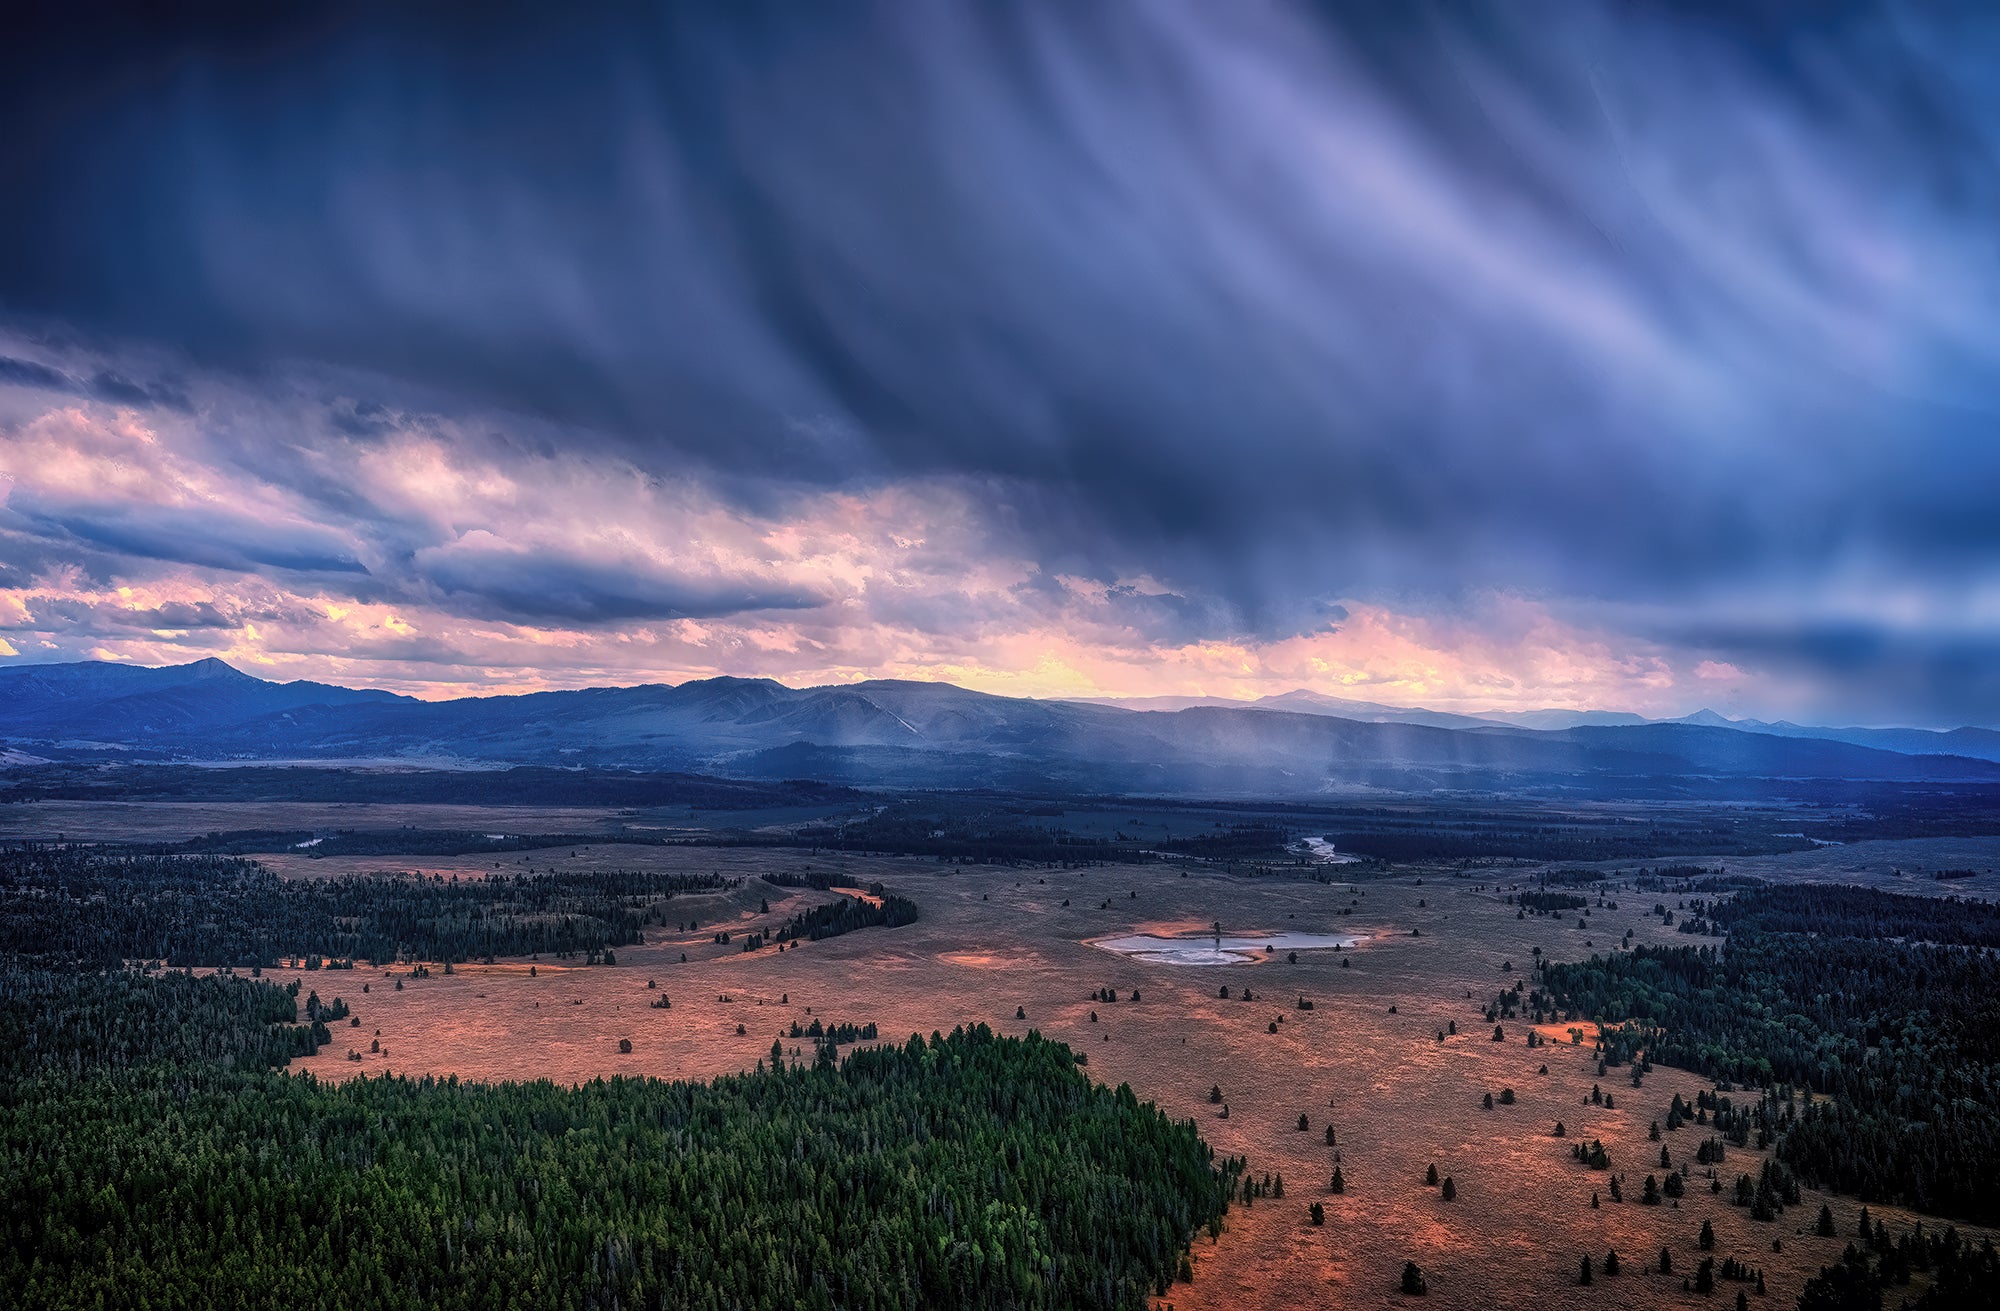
(1228,949)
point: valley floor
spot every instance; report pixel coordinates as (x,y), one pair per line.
(1366,1059)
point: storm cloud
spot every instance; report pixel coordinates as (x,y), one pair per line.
(1180,327)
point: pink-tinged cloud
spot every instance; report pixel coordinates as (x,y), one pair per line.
(484,567)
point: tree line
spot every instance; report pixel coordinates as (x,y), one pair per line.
(153,1162)
(103,906)
(1902,1038)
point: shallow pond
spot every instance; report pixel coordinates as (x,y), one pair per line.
(1324,852)
(1228,949)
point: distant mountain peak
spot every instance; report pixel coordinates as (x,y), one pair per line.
(1707,717)
(215,667)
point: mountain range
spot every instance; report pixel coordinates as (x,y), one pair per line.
(923,734)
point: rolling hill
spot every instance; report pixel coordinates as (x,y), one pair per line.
(906,734)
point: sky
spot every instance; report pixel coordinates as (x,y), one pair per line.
(1635,356)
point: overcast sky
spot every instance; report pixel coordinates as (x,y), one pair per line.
(1646,359)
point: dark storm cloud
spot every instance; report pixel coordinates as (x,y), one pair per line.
(196,536)
(1872,671)
(1272,304)
(103,385)
(539,586)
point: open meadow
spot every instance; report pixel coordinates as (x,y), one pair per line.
(1015,948)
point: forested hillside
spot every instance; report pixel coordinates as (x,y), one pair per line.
(151,1164)
(102,906)
(1845,992)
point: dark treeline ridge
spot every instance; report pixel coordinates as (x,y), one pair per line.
(834,1033)
(1550,901)
(387,842)
(1850,912)
(1914,811)
(523,785)
(963,1171)
(980,833)
(1249,841)
(1448,834)
(102,906)
(808,878)
(993,828)
(849,914)
(66,1022)
(1904,1038)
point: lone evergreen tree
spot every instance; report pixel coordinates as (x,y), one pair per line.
(1450,1190)
(1583,1271)
(1413,1280)
(1431,1176)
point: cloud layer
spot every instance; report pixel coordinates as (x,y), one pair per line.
(1431,351)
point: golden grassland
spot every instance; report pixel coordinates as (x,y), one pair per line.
(994,940)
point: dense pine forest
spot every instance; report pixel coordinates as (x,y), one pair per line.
(69,1022)
(887,910)
(103,906)
(1846,912)
(1844,992)
(148,1159)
